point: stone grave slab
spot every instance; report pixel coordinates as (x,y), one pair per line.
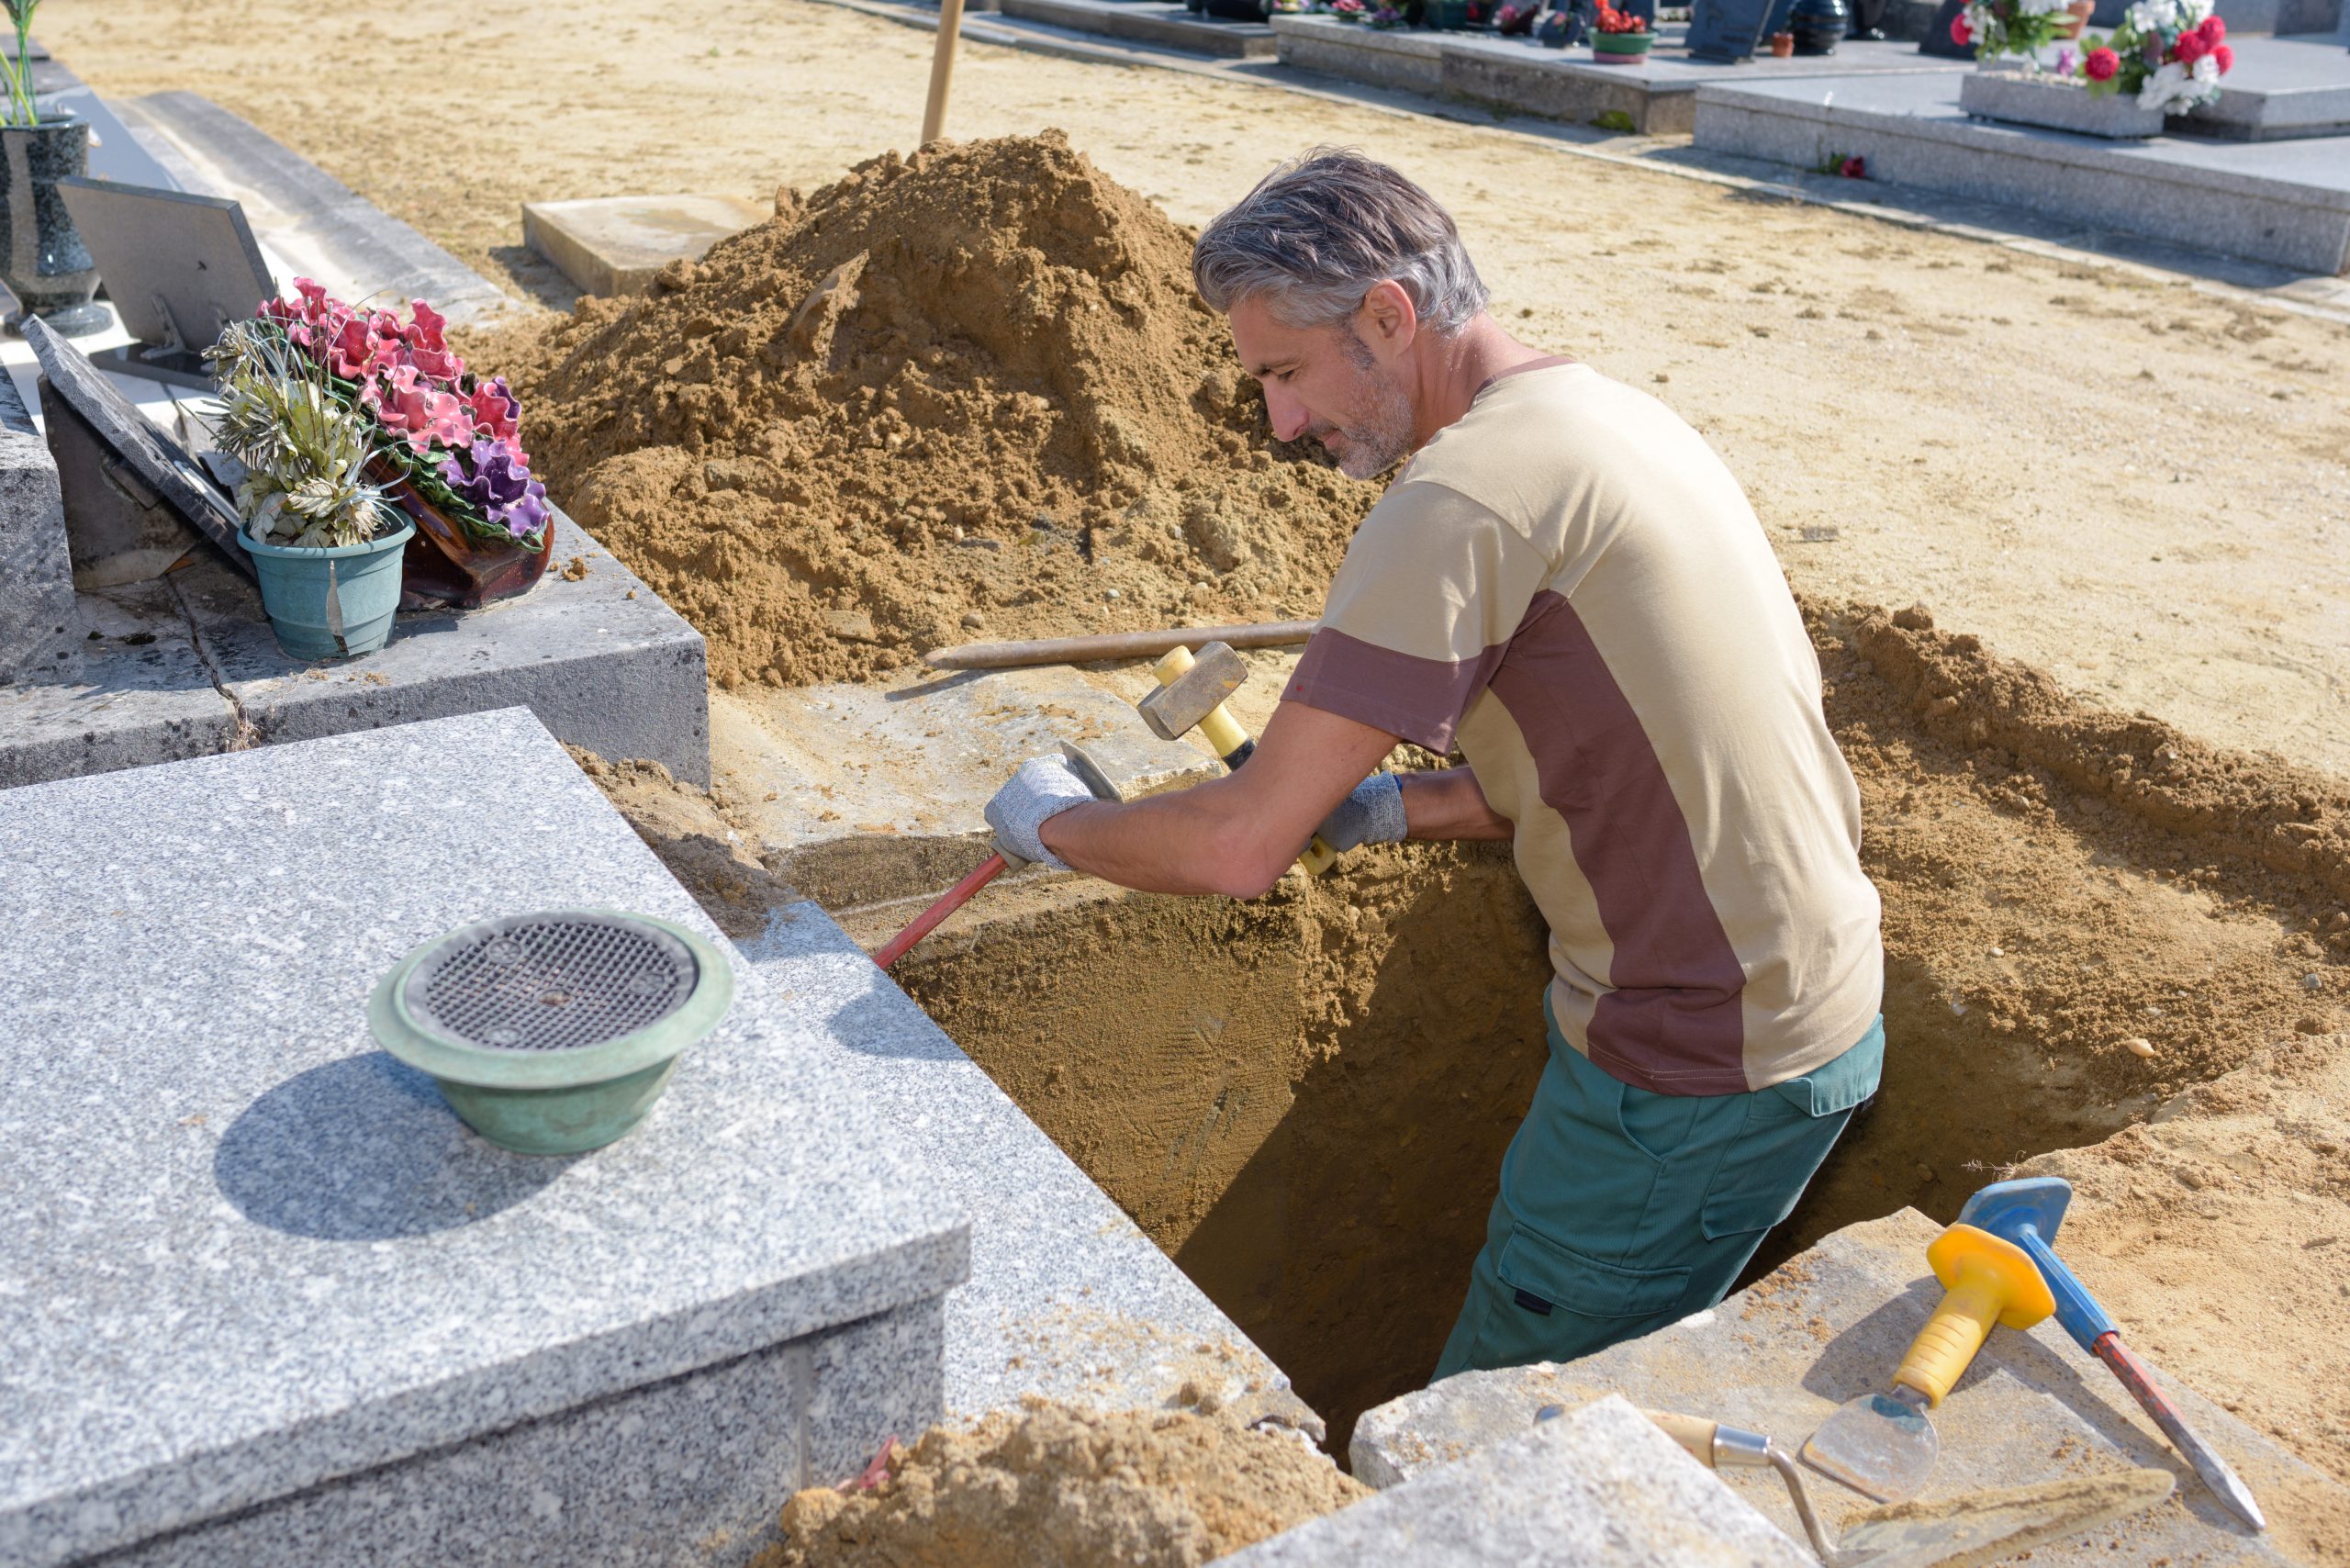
(1599,1485)
(613,245)
(1068,1298)
(602,661)
(1138,21)
(1657,95)
(156,461)
(877,788)
(2281,89)
(1779,1356)
(267,1300)
(36,576)
(2286,203)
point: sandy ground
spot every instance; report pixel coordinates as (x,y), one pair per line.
(2142,489)
(2138,488)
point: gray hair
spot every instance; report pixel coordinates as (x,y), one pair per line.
(1320,231)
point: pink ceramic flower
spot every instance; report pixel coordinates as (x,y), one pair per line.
(405,404)
(427,346)
(496,410)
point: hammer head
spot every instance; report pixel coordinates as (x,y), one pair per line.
(1215,674)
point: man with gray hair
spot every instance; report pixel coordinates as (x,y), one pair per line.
(1566,586)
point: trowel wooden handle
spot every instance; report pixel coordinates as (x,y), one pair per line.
(1230,741)
(1693,1433)
(1987,1281)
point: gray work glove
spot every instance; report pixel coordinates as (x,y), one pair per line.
(1372,814)
(1044,787)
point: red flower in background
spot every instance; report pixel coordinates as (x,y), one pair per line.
(1960,33)
(2224,55)
(2101,64)
(2190,48)
(2214,30)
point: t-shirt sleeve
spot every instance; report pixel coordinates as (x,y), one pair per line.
(1424,605)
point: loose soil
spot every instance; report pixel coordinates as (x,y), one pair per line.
(2141,490)
(1057,1487)
(971,389)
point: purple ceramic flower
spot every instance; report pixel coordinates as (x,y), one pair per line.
(494,477)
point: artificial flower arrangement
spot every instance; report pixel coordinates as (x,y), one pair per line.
(2171,53)
(335,409)
(1611,20)
(1348,10)
(1384,16)
(2014,26)
(1287,7)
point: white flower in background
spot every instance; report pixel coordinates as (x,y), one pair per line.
(2162,87)
(2205,73)
(2041,8)
(2154,15)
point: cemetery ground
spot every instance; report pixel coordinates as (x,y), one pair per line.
(2134,484)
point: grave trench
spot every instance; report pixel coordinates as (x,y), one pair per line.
(1304,1099)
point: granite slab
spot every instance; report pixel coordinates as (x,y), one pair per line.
(2286,203)
(596,654)
(1597,1487)
(1068,1298)
(1167,25)
(36,575)
(613,245)
(250,1254)
(2281,88)
(1780,1356)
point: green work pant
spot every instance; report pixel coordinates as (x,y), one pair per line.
(1621,1209)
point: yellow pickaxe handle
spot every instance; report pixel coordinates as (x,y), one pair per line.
(1224,732)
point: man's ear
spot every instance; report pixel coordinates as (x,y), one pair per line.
(1387,320)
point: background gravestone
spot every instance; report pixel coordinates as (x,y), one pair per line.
(1938,41)
(36,581)
(1726,30)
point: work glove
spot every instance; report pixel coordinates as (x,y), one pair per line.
(1372,812)
(1044,787)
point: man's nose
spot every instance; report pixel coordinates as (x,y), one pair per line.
(1286,414)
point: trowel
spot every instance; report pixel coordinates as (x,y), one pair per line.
(1977,1527)
(1883,1445)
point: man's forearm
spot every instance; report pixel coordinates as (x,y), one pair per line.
(1161,844)
(1449,804)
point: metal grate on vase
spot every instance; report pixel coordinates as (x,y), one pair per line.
(550,983)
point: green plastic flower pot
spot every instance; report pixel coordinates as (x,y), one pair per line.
(1620,48)
(553,1033)
(330,602)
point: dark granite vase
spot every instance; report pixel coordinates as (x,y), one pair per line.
(1818,25)
(43,258)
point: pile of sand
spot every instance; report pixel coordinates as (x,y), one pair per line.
(966,394)
(1058,1487)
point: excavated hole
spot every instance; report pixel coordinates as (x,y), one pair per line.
(1304,1099)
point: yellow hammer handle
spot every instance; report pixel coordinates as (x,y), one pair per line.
(1944,1349)
(1224,733)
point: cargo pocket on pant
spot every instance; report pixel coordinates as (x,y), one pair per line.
(1561,1278)
(1789,1129)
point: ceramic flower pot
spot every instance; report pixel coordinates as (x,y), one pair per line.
(2079,12)
(329,601)
(448,565)
(1620,48)
(1783,46)
(43,258)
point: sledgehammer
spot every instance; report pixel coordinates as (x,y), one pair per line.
(1192,692)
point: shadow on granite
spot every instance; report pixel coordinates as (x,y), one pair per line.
(366,1149)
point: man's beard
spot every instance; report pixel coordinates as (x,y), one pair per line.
(1377,434)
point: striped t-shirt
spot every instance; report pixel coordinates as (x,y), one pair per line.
(1568,584)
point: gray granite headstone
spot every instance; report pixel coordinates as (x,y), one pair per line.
(178,267)
(160,462)
(266,1301)
(1726,30)
(36,580)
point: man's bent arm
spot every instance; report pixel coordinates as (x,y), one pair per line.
(1448,804)
(1236,834)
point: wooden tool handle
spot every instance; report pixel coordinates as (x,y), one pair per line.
(1692,1432)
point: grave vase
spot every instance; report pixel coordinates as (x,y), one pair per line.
(1818,25)
(43,258)
(445,564)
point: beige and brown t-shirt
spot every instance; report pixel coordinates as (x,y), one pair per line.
(1569,586)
